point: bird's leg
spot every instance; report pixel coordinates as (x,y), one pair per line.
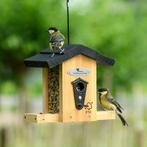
(52,46)
(53,54)
(61,50)
(60,47)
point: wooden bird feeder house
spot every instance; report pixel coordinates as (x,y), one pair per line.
(69,85)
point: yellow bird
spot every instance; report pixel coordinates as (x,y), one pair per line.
(108,103)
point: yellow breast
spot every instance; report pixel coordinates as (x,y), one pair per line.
(106,104)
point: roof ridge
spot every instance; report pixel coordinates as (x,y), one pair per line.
(43,59)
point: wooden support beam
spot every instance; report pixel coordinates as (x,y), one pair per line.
(60,94)
(45,74)
(105,115)
(41,118)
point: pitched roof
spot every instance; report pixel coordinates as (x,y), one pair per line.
(44,59)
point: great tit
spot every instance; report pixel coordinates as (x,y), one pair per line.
(56,40)
(108,103)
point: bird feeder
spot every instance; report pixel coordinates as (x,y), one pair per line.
(69,85)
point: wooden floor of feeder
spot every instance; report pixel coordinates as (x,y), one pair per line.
(41,118)
(105,115)
(44,118)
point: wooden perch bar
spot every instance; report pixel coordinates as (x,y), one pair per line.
(46,117)
(41,118)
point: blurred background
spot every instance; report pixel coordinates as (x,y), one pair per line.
(116,28)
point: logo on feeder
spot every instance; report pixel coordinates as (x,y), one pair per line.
(79,72)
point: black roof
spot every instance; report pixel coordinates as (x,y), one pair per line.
(44,59)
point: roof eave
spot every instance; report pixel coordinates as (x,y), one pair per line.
(43,59)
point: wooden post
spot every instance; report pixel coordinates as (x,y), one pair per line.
(45,75)
(3,134)
(60,94)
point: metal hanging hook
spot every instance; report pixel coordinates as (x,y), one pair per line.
(68,25)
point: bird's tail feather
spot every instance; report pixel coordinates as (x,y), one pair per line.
(119,109)
(122,119)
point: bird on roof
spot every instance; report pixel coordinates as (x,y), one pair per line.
(108,103)
(56,41)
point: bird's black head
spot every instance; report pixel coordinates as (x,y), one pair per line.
(53,28)
(102,89)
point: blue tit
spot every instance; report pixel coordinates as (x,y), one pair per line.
(56,41)
(108,103)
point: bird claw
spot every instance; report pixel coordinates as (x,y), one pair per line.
(53,55)
(61,51)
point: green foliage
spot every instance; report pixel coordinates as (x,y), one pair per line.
(117,29)
(9,88)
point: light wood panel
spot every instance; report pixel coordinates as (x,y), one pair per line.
(105,115)
(46,118)
(68,111)
(41,118)
(45,74)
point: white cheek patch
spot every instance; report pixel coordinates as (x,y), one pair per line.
(51,31)
(105,92)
